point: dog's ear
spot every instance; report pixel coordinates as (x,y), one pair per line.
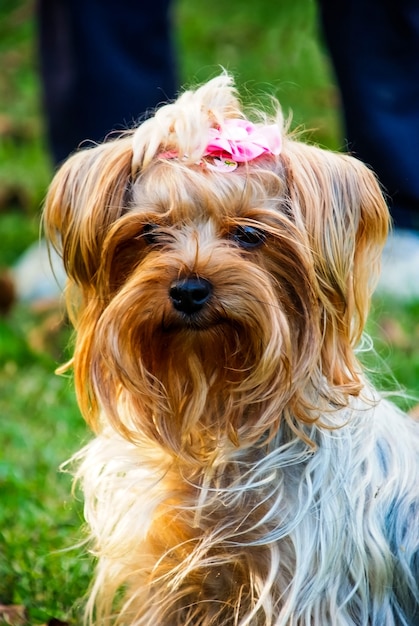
(87,195)
(336,200)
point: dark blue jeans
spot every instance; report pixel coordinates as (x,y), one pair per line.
(374,45)
(103,64)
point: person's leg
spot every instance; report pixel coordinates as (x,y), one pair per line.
(103,64)
(374,45)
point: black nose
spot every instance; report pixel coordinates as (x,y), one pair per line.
(190,294)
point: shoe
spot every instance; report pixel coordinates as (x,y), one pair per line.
(400,266)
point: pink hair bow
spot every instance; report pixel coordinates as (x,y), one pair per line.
(237,141)
(242,141)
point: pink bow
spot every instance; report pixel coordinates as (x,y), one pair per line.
(243,141)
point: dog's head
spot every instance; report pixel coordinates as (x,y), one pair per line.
(220,274)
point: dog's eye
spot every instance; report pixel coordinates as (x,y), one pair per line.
(149,233)
(248,236)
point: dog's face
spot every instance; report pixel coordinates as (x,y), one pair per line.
(212,305)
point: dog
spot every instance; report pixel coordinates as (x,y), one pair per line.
(244,471)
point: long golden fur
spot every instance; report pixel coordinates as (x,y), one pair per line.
(243,471)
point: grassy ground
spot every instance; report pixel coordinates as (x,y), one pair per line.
(272,48)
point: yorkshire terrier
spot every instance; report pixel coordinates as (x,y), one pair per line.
(244,470)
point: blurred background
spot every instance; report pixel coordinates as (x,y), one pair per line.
(273,48)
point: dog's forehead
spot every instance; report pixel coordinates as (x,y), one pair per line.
(192,193)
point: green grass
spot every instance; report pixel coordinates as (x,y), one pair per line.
(39,517)
(394,328)
(272,48)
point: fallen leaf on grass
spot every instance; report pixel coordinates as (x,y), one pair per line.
(16,615)
(13,615)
